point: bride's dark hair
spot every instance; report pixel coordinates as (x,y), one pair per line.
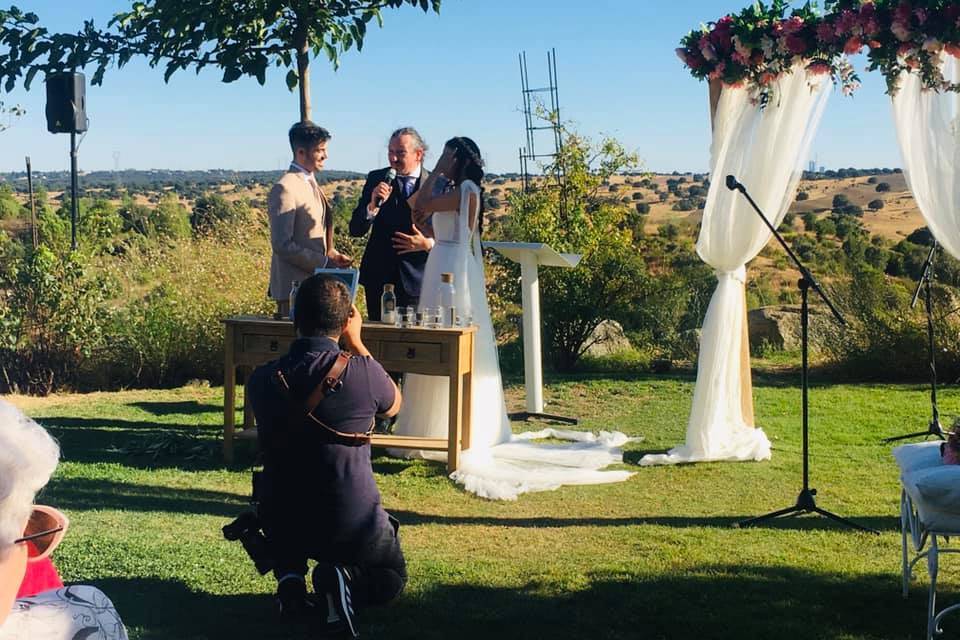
(469,167)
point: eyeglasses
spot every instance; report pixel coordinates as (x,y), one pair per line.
(44,531)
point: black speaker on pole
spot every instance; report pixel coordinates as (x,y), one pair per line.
(66,103)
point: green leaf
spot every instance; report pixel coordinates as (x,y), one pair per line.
(292,79)
(231,74)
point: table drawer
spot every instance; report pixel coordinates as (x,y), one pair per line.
(253,343)
(425,352)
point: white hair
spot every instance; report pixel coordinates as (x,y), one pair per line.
(28,457)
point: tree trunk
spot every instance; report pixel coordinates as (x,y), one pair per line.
(303,71)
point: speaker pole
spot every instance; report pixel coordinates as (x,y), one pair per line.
(33,205)
(73,189)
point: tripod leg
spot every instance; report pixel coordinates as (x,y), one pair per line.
(769,516)
(909,435)
(842,520)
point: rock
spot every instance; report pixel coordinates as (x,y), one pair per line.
(779,326)
(607,339)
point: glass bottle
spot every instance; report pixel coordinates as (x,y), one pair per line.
(388,305)
(448,295)
(293,297)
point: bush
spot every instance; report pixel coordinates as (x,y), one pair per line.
(52,322)
(882,187)
(872,180)
(212,210)
(611,274)
(643,208)
(802,195)
(876,205)
(664,196)
(884,338)
(684,204)
(840,202)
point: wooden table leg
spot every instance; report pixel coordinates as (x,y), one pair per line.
(467,412)
(456,423)
(248,419)
(229,394)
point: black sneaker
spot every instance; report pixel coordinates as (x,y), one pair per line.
(292,598)
(335,580)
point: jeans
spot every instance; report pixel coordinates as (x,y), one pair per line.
(377,568)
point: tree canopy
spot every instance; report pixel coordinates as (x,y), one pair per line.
(240,37)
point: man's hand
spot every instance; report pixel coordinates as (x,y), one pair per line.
(339,260)
(351,334)
(412,242)
(380,194)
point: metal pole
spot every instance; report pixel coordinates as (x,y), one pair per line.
(33,206)
(73,190)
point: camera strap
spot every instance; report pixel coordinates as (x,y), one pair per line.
(332,383)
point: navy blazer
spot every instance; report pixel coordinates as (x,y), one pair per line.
(381,264)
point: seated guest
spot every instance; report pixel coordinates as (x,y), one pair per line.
(318,498)
(29,533)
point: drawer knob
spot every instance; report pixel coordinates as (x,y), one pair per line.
(274,345)
(411,353)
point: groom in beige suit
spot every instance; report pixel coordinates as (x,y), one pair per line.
(301,222)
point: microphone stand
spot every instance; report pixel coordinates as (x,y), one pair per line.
(806,501)
(934,428)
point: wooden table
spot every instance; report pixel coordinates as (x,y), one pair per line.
(253,340)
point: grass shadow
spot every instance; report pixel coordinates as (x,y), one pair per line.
(715,601)
(81,494)
(110,440)
(186,407)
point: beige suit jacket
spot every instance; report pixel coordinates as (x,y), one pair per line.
(297,232)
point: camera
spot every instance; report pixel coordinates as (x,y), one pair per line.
(247,529)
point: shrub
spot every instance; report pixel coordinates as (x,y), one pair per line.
(876,205)
(872,180)
(840,202)
(802,195)
(212,210)
(637,195)
(882,187)
(664,196)
(643,208)
(883,337)
(611,274)
(684,204)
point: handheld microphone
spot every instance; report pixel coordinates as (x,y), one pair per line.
(732,183)
(387,179)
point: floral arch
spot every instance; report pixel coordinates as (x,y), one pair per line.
(770,68)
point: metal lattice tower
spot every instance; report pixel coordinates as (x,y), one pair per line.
(531,103)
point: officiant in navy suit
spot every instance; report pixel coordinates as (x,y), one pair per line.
(397,249)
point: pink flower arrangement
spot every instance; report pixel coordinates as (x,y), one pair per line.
(755,47)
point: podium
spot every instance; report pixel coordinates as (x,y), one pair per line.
(531,255)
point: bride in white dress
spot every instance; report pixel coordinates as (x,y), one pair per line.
(498,465)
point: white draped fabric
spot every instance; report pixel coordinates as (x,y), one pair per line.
(499,465)
(764,149)
(928,129)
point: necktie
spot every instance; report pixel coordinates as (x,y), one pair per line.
(407,182)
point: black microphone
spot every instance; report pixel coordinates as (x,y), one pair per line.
(387,179)
(732,183)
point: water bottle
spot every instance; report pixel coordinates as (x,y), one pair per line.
(448,294)
(388,305)
(293,296)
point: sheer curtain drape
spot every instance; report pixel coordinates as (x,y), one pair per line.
(927,125)
(764,148)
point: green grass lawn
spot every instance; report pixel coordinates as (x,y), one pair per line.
(653,557)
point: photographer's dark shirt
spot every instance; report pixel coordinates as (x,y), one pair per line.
(308,474)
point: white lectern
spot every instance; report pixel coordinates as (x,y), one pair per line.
(530,255)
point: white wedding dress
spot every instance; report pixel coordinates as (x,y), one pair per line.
(498,465)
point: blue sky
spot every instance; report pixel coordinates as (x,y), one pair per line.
(452,74)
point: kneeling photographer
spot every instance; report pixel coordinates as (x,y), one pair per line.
(318,499)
